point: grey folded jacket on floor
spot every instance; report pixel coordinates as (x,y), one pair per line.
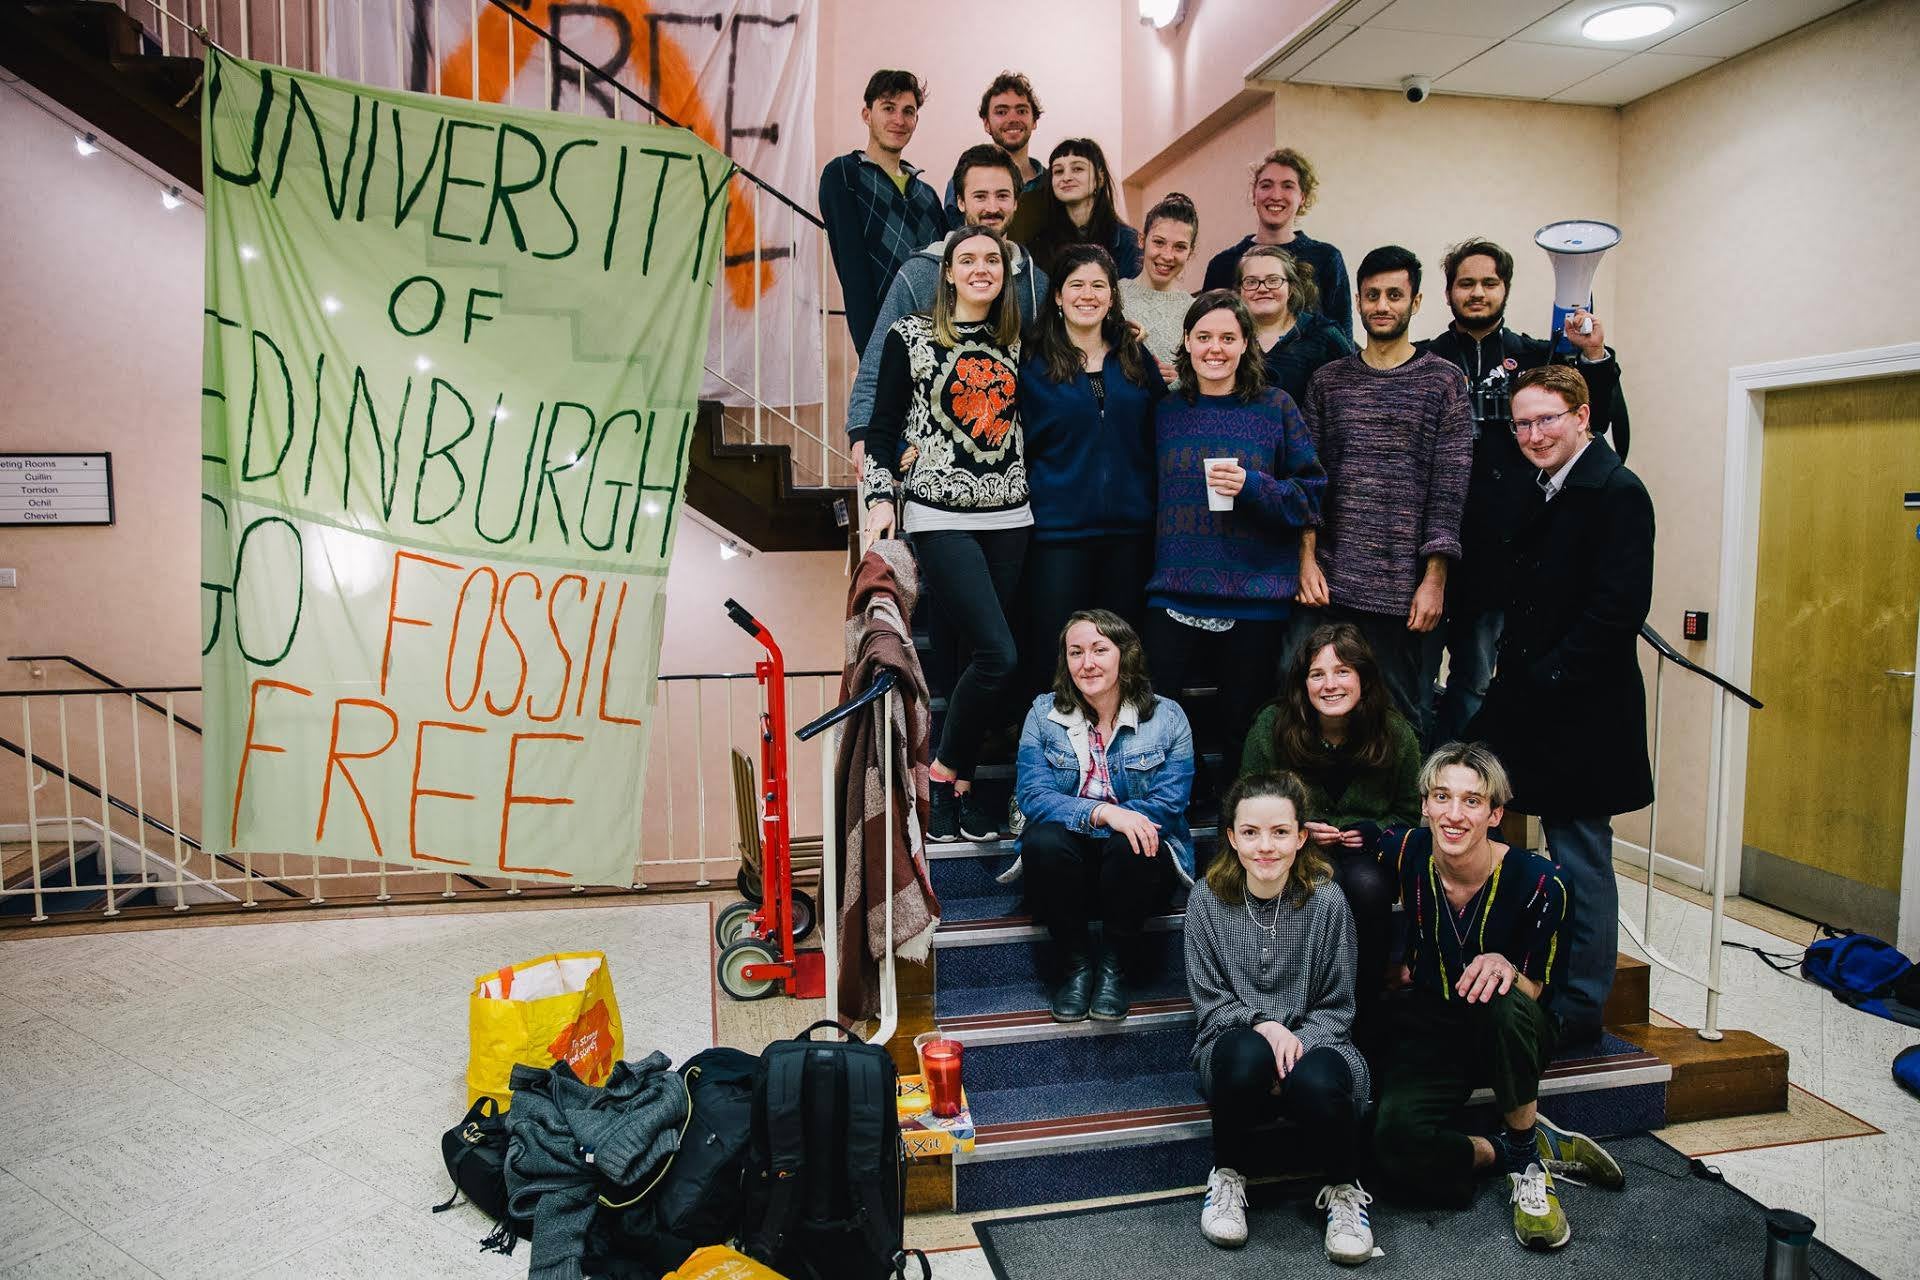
(566,1141)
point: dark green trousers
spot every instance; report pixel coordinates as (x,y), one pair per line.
(1435,1054)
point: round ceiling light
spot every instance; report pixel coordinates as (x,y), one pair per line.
(1628,22)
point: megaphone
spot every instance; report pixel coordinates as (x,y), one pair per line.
(1575,247)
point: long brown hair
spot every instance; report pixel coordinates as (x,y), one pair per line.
(1227,877)
(1047,228)
(1136,690)
(1003,313)
(1065,361)
(1296,728)
(1250,378)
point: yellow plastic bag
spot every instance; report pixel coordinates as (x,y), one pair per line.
(718,1262)
(557,1008)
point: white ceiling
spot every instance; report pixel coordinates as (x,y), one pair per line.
(1524,48)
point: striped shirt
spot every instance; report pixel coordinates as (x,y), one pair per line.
(1301,978)
(1518,913)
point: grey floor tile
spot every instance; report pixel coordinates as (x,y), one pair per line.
(35,1229)
(399,1244)
(88,1257)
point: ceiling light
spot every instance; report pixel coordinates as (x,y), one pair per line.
(1161,14)
(729,549)
(1628,22)
(86,143)
(170,198)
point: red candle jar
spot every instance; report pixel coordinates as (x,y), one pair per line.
(941,1059)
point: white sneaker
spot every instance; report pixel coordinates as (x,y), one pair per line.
(1349,1235)
(1223,1214)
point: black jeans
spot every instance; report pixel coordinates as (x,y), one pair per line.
(1072,880)
(1369,889)
(1317,1095)
(972,576)
(1243,663)
(1063,578)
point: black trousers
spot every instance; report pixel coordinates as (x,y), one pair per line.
(1317,1095)
(1369,889)
(1072,880)
(1063,578)
(1437,1052)
(1243,663)
(972,577)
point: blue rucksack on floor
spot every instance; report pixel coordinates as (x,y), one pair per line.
(1866,972)
(1906,1069)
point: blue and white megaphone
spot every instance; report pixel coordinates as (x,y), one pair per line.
(1575,247)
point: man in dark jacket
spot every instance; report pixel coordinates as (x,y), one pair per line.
(1567,710)
(877,208)
(1479,273)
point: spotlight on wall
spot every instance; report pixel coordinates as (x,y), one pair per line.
(1161,14)
(170,199)
(1627,22)
(86,143)
(729,549)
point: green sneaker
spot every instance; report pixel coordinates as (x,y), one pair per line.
(1575,1157)
(1538,1220)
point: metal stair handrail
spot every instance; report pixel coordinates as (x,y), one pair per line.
(95,672)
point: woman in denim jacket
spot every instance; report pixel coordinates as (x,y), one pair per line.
(1105,773)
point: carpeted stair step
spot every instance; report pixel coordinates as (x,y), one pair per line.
(969,890)
(990,973)
(58,893)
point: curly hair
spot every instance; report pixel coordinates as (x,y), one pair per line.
(1301,166)
(1297,741)
(1136,690)
(1250,379)
(1065,361)
(1227,875)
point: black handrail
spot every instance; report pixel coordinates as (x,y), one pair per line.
(109,681)
(1679,659)
(882,685)
(147,818)
(656,112)
(740,675)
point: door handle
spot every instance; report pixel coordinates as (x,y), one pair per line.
(1904,675)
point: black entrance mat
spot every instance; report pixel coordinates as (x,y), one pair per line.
(1666,1223)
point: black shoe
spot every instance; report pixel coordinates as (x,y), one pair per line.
(943,813)
(1071,997)
(978,821)
(1109,1002)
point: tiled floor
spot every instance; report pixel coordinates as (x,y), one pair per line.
(267,1100)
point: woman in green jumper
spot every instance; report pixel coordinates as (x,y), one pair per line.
(1335,726)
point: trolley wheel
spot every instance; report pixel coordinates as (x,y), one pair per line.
(734,922)
(748,883)
(805,915)
(734,960)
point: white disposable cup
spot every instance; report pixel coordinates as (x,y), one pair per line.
(1216,501)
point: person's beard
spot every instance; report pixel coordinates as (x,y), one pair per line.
(1482,326)
(1399,332)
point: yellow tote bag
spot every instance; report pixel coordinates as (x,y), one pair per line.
(557,1008)
(718,1262)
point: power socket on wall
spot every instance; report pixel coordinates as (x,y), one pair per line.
(9,578)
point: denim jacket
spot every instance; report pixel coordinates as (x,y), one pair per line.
(1150,763)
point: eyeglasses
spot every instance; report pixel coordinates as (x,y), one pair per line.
(1538,424)
(1271,284)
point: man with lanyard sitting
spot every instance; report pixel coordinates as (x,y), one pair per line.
(1475,1007)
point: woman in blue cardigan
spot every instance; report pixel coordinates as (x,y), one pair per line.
(1087,393)
(1104,776)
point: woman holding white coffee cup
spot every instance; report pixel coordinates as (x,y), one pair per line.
(1238,480)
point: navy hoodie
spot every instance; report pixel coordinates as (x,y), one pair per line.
(1090,469)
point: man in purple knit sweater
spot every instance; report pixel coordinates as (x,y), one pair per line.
(1394,429)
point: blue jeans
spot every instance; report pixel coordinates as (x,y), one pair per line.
(1583,847)
(1472,640)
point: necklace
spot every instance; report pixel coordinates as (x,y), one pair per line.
(1270,929)
(1454,917)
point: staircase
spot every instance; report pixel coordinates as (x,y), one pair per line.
(95,60)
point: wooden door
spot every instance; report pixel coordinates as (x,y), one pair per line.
(1834,615)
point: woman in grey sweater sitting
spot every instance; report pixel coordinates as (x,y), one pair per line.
(1270,966)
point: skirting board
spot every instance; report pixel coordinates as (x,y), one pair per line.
(1686,873)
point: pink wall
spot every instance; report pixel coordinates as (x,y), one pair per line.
(1070,49)
(1178,78)
(1214,172)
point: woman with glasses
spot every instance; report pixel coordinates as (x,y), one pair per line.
(1294,338)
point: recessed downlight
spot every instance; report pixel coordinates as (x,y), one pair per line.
(1627,22)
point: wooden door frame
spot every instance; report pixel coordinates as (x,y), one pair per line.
(1747,387)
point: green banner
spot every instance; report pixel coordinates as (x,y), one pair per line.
(453,355)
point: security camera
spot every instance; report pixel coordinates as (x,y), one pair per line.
(1417,88)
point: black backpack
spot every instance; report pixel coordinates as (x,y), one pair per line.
(698,1202)
(475,1152)
(826,1167)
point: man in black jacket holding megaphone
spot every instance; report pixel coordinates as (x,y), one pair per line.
(1479,273)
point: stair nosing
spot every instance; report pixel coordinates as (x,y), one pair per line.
(1029,1025)
(1000,930)
(1010,845)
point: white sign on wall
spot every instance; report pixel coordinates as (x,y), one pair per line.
(56,488)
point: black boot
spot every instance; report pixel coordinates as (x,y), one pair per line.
(1109,1002)
(1071,997)
(943,812)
